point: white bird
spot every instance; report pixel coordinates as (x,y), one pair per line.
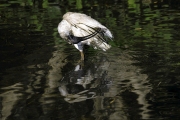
(80,29)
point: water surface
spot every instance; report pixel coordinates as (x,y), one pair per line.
(138,78)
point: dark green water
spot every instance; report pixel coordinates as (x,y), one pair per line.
(138,78)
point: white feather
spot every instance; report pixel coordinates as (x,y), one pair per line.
(81,25)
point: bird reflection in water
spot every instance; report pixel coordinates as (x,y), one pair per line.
(88,80)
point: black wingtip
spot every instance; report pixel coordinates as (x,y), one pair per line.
(73,39)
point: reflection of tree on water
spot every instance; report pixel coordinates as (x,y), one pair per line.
(86,81)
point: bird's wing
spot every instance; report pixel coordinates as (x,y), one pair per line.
(77,18)
(80,26)
(85,23)
(79,31)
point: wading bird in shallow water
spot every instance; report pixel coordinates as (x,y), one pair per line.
(79,29)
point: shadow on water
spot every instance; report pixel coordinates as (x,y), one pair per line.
(138,78)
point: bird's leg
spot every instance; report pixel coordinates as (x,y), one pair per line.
(82,55)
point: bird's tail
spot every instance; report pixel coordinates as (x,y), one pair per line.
(108,33)
(99,44)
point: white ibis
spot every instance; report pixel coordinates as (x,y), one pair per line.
(79,29)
